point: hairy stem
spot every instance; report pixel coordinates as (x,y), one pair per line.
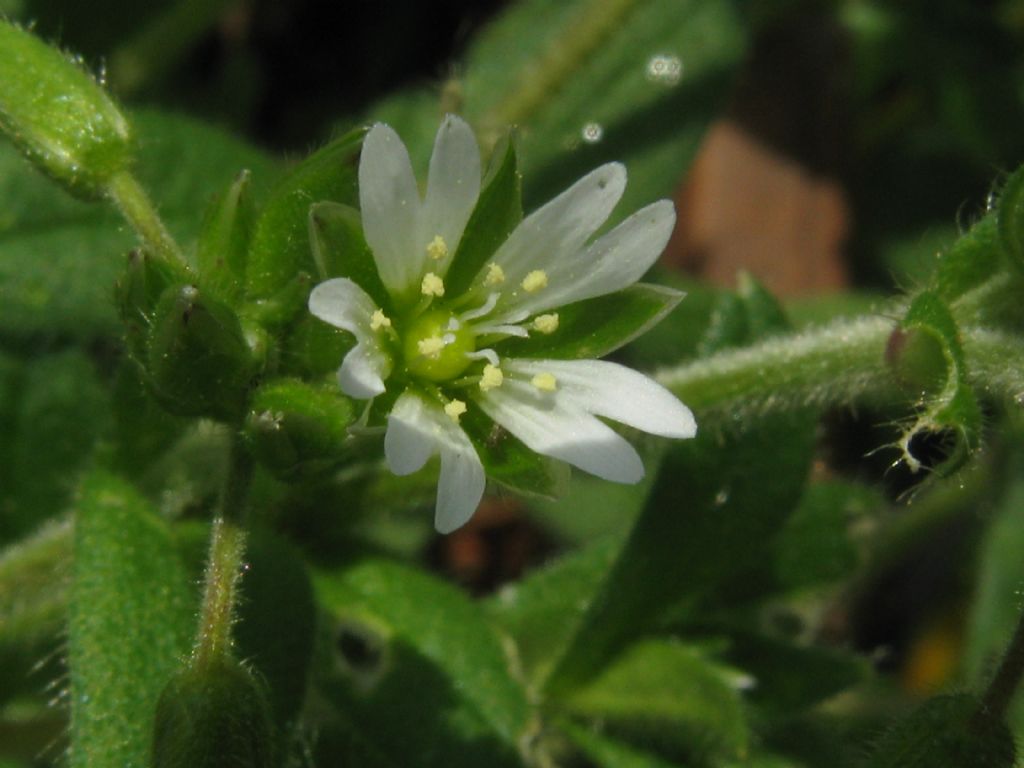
(225,562)
(1004,684)
(836,364)
(544,78)
(133,202)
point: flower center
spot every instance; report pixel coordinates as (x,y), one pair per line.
(436,346)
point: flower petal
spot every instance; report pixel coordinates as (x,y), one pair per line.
(613,262)
(558,229)
(345,305)
(453,187)
(615,392)
(553,425)
(416,430)
(390,204)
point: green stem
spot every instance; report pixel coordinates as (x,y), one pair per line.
(133,202)
(544,78)
(225,562)
(1004,684)
(833,365)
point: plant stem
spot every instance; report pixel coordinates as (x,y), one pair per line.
(832,365)
(133,202)
(225,563)
(543,79)
(1006,680)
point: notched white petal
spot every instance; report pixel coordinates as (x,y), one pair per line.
(345,305)
(390,205)
(553,426)
(417,429)
(615,392)
(560,228)
(453,186)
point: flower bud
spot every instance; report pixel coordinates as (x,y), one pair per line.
(213,715)
(296,429)
(59,116)
(198,360)
(137,292)
(224,240)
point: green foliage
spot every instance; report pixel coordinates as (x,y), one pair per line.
(129,623)
(59,116)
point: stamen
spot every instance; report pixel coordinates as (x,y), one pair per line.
(485,309)
(495,275)
(545,382)
(432,285)
(454,409)
(379,320)
(491,378)
(484,354)
(430,347)
(437,248)
(546,323)
(535,280)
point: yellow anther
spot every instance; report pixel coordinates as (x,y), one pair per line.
(546,323)
(379,320)
(430,347)
(491,378)
(495,275)
(535,281)
(545,382)
(432,285)
(437,248)
(454,409)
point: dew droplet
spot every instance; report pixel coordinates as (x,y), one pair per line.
(592,133)
(664,69)
(721,497)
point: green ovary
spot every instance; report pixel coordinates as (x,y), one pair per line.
(436,348)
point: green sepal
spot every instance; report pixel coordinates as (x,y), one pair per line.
(138,291)
(58,116)
(283,307)
(280,243)
(509,462)
(213,715)
(950,405)
(765,315)
(596,327)
(750,313)
(946,731)
(198,361)
(1010,212)
(498,211)
(298,430)
(314,348)
(224,240)
(340,249)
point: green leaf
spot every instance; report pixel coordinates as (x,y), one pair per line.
(60,257)
(498,211)
(224,239)
(970,261)
(814,546)
(280,243)
(340,249)
(59,410)
(670,695)
(543,611)
(609,753)
(418,655)
(597,327)
(1010,213)
(791,677)
(130,620)
(650,81)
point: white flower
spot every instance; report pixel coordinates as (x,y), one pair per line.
(444,353)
